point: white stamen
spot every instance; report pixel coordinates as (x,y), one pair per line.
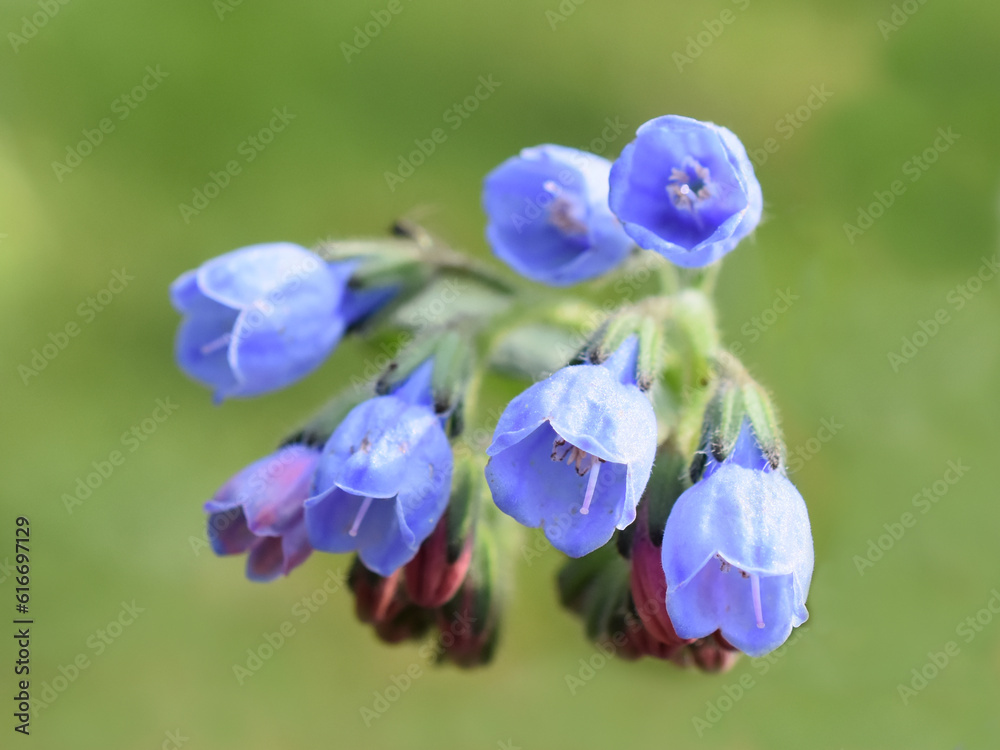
(217,344)
(757,610)
(360,517)
(595,468)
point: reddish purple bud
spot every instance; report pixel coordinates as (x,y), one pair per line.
(436,573)
(404,623)
(376,598)
(649,585)
(710,656)
(259,512)
(470,622)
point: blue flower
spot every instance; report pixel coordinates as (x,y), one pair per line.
(573,453)
(260,511)
(259,318)
(384,478)
(549,218)
(738,553)
(685,189)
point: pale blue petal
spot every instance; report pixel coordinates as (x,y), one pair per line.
(539,492)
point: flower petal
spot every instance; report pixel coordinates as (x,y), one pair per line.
(266,560)
(537,491)
(756,521)
(228,532)
(519,197)
(715,600)
(202,349)
(275,345)
(241,277)
(270,491)
(369,453)
(592,410)
(640,193)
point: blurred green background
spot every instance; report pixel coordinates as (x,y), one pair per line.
(562,69)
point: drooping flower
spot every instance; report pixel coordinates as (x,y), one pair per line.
(573,453)
(259,318)
(685,189)
(384,478)
(738,553)
(259,511)
(549,218)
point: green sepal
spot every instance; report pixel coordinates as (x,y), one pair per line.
(318,429)
(737,398)
(453,356)
(534,351)
(764,420)
(480,582)
(406,362)
(667,482)
(643,321)
(694,334)
(463,506)
(453,362)
(597,588)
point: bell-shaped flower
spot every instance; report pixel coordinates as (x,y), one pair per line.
(384,479)
(685,189)
(259,318)
(573,453)
(259,511)
(549,218)
(738,553)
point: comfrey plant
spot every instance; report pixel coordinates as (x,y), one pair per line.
(643,450)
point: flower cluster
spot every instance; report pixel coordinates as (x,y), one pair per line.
(646,453)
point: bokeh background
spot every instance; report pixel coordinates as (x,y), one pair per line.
(562,69)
